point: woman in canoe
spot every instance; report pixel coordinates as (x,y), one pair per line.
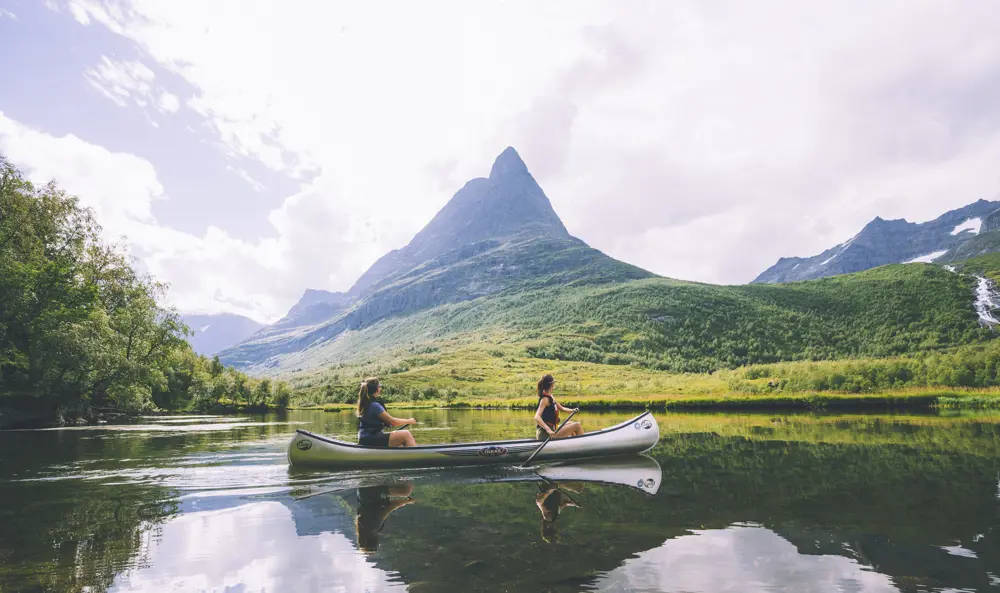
(547,415)
(372,418)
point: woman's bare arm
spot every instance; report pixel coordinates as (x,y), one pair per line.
(386,418)
(563,408)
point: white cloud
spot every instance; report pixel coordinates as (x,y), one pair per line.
(698,140)
(315,241)
(119,187)
(6,14)
(79,14)
(242,174)
(169,102)
(122,81)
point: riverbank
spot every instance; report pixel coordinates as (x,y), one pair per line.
(12,417)
(904,400)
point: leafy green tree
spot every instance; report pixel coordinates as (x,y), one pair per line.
(81,332)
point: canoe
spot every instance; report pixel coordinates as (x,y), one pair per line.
(632,436)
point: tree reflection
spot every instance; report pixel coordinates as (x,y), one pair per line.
(81,541)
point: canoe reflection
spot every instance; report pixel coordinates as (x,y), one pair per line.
(375,496)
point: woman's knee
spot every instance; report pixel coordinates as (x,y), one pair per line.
(401,438)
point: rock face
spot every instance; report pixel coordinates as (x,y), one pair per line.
(991,223)
(213,333)
(883,242)
(496,234)
(987,241)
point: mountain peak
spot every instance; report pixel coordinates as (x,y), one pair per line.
(508,164)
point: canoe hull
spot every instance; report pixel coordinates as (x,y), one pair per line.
(314,451)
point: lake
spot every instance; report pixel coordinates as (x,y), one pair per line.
(743,502)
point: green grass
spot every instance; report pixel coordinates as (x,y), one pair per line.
(899,335)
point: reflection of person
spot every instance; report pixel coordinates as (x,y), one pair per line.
(372,418)
(547,414)
(375,504)
(551,499)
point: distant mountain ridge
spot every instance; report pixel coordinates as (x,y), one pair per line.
(495,233)
(883,242)
(218,331)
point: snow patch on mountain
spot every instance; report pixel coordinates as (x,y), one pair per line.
(927,258)
(973,224)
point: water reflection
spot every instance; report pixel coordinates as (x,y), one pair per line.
(375,504)
(552,498)
(726,503)
(374,496)
(740,558)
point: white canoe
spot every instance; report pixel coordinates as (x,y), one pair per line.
(633,436)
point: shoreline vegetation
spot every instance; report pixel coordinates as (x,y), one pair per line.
(985,399)
(484,377)
(84,337)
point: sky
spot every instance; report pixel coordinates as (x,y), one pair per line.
(245,150)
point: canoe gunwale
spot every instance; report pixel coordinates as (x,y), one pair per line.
(603,431)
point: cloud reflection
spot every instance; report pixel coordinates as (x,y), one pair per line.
(740,558)
(253,547)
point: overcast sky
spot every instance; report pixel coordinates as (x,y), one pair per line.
(252,149)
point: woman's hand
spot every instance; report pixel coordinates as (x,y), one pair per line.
(411,421)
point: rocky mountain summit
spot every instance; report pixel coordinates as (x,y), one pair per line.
(496,234)
(883,242)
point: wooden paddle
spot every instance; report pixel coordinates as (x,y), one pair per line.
(525,464)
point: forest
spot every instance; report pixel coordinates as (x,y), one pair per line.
(83,335)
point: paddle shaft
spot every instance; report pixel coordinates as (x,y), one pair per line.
(549,438)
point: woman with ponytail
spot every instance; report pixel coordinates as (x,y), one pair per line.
(547,415)
(372,418)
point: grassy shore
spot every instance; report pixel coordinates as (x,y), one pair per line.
(921,399)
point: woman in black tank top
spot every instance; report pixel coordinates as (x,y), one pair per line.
(547,415)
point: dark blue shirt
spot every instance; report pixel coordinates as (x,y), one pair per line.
(369,424)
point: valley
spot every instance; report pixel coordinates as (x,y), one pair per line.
(495,292)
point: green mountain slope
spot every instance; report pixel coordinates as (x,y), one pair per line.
(497,236)
(495,281)
(667,325)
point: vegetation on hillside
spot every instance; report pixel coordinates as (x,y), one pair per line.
(667,325)
(902,327)
(987,265)
(81,332)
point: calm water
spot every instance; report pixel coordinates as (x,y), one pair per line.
(743,503)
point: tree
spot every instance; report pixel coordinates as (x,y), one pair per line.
(262,395)
(80,330)
(282,395)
